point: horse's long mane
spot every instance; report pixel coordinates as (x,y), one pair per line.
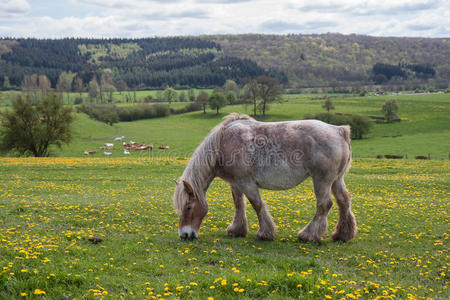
(203,161)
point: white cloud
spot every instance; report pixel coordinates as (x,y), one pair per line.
(14,8)
(142,18)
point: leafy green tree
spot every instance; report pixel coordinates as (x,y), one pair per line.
(328,105)
(32,129)
(230,85)
(191,95)
(110,89)
(360,125)
(6,83)
(202,99)
(170,95)
(389,109)
(231,97)
(217,101)
(182,96)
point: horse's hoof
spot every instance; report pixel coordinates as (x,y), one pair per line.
(233,233)
(265,236)
(339,237)
(304,237)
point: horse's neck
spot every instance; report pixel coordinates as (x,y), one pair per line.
(202,179)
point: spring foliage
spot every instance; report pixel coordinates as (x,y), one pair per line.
(31,128)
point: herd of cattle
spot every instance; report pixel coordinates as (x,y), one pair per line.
(127,147)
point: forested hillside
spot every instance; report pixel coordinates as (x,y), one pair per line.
(298,61)
(343,60)
(144,63)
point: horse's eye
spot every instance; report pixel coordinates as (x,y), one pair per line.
(189,207)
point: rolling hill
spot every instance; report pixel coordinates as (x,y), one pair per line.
(298,61)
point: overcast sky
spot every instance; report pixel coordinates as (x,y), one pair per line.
(147,18)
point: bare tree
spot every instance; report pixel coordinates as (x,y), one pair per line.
(270,90)
(252,93)
(44,85)
(30,85)
(78,86)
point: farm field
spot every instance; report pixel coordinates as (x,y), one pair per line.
(424,129)
(49,208)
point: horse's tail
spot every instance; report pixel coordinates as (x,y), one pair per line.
(345,132)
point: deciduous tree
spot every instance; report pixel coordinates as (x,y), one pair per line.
(169,95)
(217,101)
(32,129)
(202,99)
(270,90)
(389,109)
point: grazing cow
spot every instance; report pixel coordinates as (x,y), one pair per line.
(89,152)
(119,139)
(107,153)
(126,152)
(164,147)
(109,146)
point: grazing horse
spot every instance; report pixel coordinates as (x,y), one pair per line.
(271,155)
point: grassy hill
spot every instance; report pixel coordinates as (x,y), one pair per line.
(336,59)
(326,60)
(424,129)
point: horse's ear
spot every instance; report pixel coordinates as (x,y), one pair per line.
(176,182)
(188,187)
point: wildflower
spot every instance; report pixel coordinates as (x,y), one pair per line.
(39,292)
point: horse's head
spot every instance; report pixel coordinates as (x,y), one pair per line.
(192,210)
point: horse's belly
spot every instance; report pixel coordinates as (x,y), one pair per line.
(280,178)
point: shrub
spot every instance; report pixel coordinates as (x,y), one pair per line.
(188,108)
(31,128)
(360,125)
(111,114)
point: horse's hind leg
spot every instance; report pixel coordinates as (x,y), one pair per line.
(314,231)
(267,227)
(346,226)
(239,227)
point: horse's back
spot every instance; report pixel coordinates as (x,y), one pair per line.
(279,155)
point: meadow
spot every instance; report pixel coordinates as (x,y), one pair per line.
(51,207)
(424,129)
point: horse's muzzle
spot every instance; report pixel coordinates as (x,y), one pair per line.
(187,233)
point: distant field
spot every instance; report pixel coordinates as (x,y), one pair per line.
(119,97)
(49,208)
(424,129)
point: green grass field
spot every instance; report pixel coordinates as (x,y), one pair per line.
(424,129)
(49,208)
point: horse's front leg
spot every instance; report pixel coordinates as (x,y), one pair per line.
(314,231)
(239,227)
(267,227)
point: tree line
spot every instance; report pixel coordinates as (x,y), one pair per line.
(140,63)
